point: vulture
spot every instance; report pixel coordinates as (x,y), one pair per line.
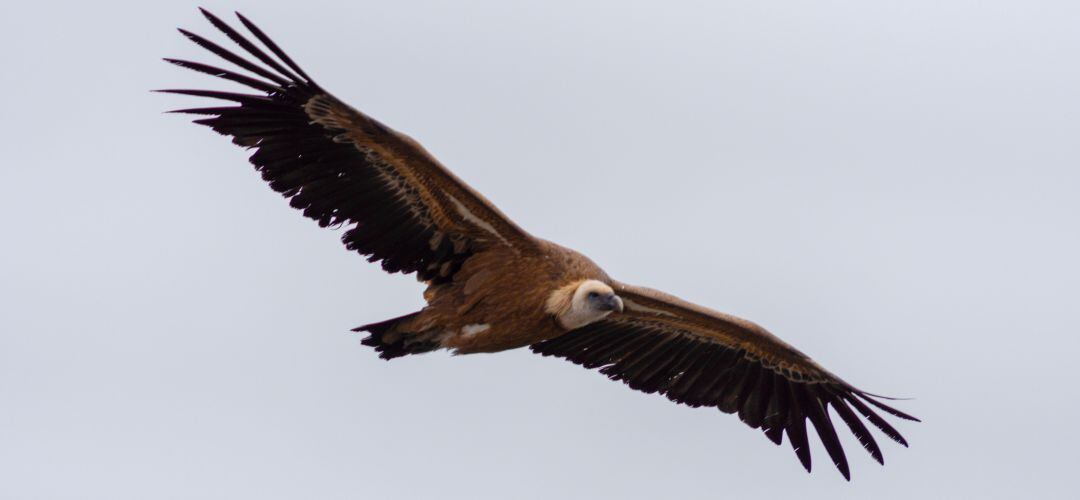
(490,285)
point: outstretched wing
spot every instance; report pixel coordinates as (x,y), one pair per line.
(699,357)
(342,167)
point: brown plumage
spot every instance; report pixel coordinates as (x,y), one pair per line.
(491,286)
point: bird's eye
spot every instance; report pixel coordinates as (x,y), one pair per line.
(593,295)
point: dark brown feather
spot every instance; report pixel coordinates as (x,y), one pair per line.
(776,415)
(319,165)
(650,356)
(857,427)
(819,416)
(796,426)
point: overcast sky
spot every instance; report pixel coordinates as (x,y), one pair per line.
(892,188)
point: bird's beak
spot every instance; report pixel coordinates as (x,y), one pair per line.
(613,303)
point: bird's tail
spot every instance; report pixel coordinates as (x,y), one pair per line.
(391,340)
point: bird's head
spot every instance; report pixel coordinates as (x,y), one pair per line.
(582,303)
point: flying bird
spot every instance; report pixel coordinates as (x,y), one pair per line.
(492,286)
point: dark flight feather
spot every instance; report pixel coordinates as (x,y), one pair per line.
(323,173)
(652,357)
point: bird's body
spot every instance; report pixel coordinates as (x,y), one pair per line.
(492,286)
(497,300)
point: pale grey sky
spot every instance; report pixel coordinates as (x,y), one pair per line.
(890,186)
